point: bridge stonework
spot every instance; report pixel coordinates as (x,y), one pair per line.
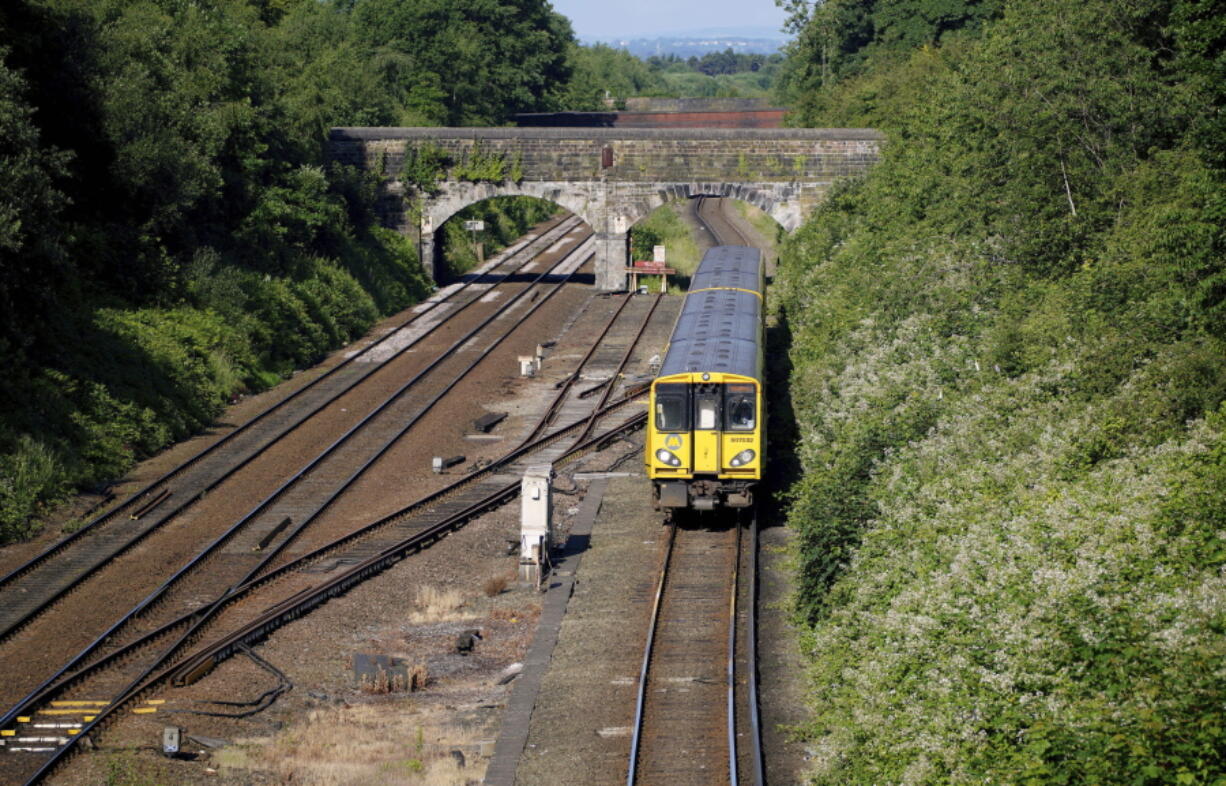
(612,178)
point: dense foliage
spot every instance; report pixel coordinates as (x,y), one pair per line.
(170,232)
(1008,344)
(504,219)
(664,226)
(604,76)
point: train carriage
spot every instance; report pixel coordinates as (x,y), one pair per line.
(706,436)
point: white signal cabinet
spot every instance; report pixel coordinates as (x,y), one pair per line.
(536,529)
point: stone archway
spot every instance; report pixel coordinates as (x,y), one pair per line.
(611,178)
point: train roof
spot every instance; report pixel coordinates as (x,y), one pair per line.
(736,267)
(717,331)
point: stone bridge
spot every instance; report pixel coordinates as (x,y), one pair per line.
(610,177)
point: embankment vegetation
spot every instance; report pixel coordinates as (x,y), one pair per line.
(1009,350)
(170,231)
(504,218)
(665,227)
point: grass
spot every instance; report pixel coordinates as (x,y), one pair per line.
(359,744)
(664,226)
(496,585)
(506,219)
(769,231)
(436,604)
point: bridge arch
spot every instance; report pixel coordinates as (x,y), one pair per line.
(611,178)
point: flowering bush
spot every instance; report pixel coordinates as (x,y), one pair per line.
(1012,438)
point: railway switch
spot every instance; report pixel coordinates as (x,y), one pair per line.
(536,532)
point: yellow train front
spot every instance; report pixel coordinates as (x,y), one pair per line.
(706,435)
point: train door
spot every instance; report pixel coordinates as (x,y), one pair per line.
(708,417)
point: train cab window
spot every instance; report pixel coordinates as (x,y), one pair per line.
(707,400)
(672,407)
(740,407)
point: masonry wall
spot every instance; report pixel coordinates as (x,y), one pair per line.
(613,177)
(638,155)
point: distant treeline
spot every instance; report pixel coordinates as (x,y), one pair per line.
(603,73)
(716,63)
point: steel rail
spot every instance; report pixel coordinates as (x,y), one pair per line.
(56,548)
(292,607)
(640,703)
(582,442)
(429,406)
(556,404)
(502,493)
(719,236)
(755,724)
(733,769)
(621,364)
(41,557)
(751,646)
(56,688)
(552,410)
(216,544)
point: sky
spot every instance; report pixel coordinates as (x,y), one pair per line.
(624,18)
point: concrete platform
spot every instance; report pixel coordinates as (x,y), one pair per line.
(579,728)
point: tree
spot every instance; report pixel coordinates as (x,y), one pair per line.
(601,71)
(468,62)
(32,257)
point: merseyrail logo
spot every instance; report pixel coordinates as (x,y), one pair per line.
(673,442)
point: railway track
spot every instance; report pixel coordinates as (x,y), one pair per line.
(246,543)
(31,588)
(710,213)
(251,535)
(345,561)
(696,716)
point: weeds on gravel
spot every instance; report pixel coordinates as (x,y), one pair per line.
(384,682)
(496,585)
(435,604)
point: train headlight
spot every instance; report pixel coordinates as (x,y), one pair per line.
(742,458)
(668,458)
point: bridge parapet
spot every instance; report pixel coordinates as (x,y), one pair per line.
(613,177)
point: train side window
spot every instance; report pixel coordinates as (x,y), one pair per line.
(706,409)
(672,407)
(740,407)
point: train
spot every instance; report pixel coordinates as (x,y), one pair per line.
(706,432)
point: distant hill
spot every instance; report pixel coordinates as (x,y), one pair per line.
(687,43)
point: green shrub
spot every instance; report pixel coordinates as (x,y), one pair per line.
(506,220)
(30,474)
(129,381)
(665,227)
(1008,391)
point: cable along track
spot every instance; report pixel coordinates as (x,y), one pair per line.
(362,553)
